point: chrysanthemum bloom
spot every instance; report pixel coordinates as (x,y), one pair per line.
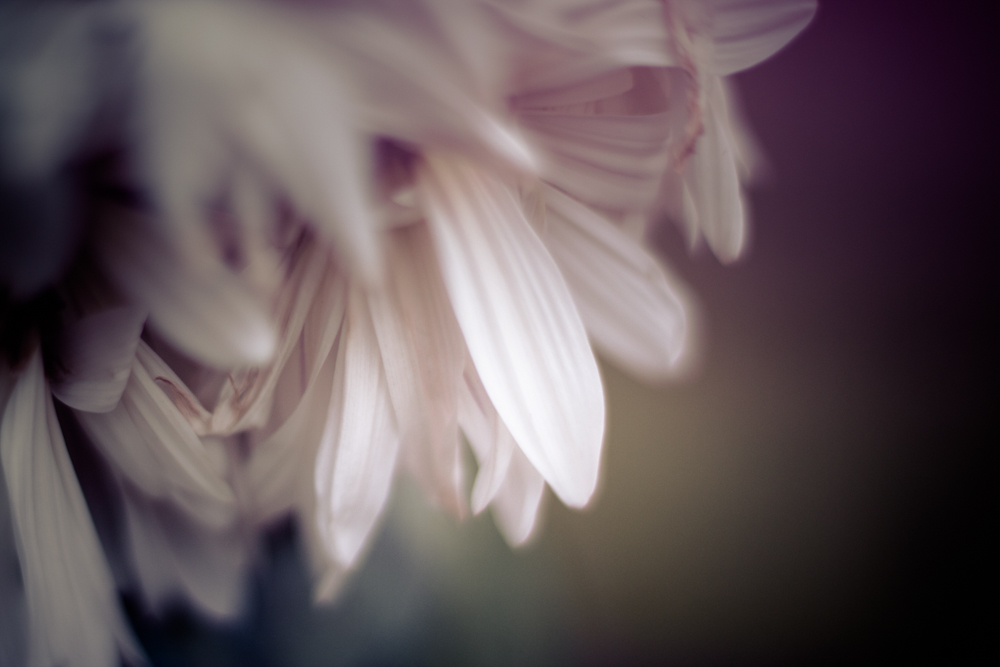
(265,256)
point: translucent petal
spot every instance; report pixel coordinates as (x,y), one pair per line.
(747,32)
(74,615)
(356,462)
(520,324)
(423,353)
(630,307)
(153,445)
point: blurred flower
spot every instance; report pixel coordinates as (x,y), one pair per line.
(267,254)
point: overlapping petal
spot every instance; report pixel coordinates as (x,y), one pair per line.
(522,329)
(72,605)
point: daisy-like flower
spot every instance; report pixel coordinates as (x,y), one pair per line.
(269,255)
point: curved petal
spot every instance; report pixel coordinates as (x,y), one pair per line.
(357,454)
(712,179)
(521,327)
(423,354)
(516,506)
(491,442)
(153,445)
(72,604)
(173,555)
(747,32)
(97,352)
(626,300)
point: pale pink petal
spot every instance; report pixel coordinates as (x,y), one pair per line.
(97,353)
(520,324)
(491,442)
(747,32)
(628,303)
(173,556)
(356,462)
(311,292)
(609,151)
(74,615)
(712,179)
(278,474)
(153,445)
(423,354)
(516,505)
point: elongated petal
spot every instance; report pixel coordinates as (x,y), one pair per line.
(174,556)
(747,32)
(521,327)
(712,179)
(518,500)
(97,353)
(311,292)
(423,353)
(609,151)
(630,308)
(491,442)
(72,605)
(357,454)
(153,445)
(206,312)
(279,473)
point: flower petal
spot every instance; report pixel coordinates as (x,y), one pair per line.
(491,442)
(173,555)
(154,446)
(72,604)
(626,300)
(423,353)
(97,352)
(357,454)
(515,508)
(747,32)
(521,327)
(712,179)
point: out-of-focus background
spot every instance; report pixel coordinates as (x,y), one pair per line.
(819,491)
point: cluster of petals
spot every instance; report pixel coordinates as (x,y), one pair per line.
(325,242)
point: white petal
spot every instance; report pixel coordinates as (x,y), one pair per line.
(312,292)
(357,454)
(74,615)
(173,556)
(423,354)
(153,445)
(278,474)
(518,499)
(491,442)
(204,311)
(630,308)
(610,151)
(712,179)
(97,353)
(521,327)
(747,32)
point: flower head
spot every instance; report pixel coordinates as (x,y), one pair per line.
(312,246)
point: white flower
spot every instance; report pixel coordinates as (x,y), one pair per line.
(320,244)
